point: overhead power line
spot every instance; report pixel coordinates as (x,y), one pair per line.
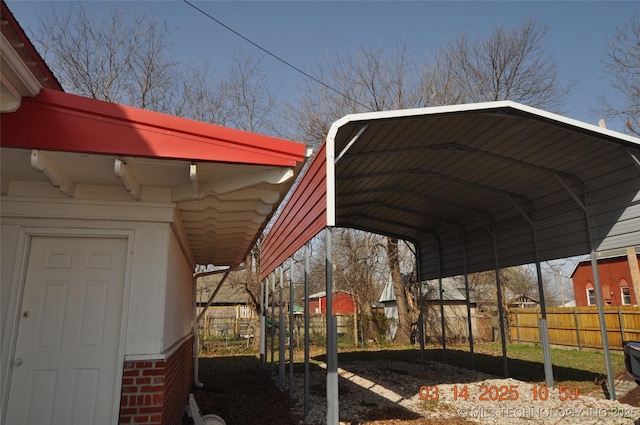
(273,55)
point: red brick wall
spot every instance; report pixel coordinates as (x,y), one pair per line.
(155,392)
(612,272)
(177,383)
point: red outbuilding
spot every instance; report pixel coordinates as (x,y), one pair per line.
(343,303)
(619,274)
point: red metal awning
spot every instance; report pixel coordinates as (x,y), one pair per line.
(303,216)
(226,183)
(58,121)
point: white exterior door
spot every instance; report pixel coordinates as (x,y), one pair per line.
(66,356)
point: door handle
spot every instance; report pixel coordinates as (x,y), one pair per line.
(17,361)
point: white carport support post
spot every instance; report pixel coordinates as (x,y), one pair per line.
(194,329)
(262,324)
(441,294)
(494,238)
(463,243)
(503,336)
(307,372)
(440,298)
(544,330)
(466,295)
(281,331)
(333,412)
(421,301)
(542,322)
(584,205)
(265,314)
(273,327)
(291,317)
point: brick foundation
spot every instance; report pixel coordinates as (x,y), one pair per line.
(155,392)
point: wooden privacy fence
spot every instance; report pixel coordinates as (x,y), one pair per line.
(577,326)
(318,324)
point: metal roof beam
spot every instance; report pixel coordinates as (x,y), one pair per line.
(397,190)
(468,183)
(634,159)
(578,201)
(456,147)
(351,142)
(429,173)
(391,207)
(413,229)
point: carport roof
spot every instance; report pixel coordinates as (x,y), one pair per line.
(456,176)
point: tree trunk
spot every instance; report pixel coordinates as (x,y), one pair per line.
(403,334)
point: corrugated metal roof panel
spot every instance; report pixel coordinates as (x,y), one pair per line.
(302,217)
(417,174)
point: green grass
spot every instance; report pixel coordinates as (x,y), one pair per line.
(583,369)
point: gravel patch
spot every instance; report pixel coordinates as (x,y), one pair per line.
(395,392)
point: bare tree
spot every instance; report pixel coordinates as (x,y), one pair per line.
(114,59)
(197,96)
(367,80)
(359,262)
(127,59)
(405,322)
(249,102)
(508,64)
(623,65)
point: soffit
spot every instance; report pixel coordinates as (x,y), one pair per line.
(24,72)
(225,183)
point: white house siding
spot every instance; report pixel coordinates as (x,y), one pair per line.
(158,275)
(178,300)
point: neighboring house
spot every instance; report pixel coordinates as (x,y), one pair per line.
(619,278)
(514,300)
(343,303)
(454,306)
(388,301)
(229,314)
(106,211)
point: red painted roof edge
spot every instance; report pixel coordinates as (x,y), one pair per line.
(197,140)
(47,78)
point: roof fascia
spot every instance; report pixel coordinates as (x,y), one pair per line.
(488,107)
(78,124)
(47,78)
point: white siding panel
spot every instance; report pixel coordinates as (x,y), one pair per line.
(178,303)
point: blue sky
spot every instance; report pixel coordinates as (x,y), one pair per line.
(302,32)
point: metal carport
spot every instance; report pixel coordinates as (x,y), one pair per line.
(475,187)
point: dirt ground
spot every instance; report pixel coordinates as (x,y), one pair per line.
(242,392)
(237,389)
